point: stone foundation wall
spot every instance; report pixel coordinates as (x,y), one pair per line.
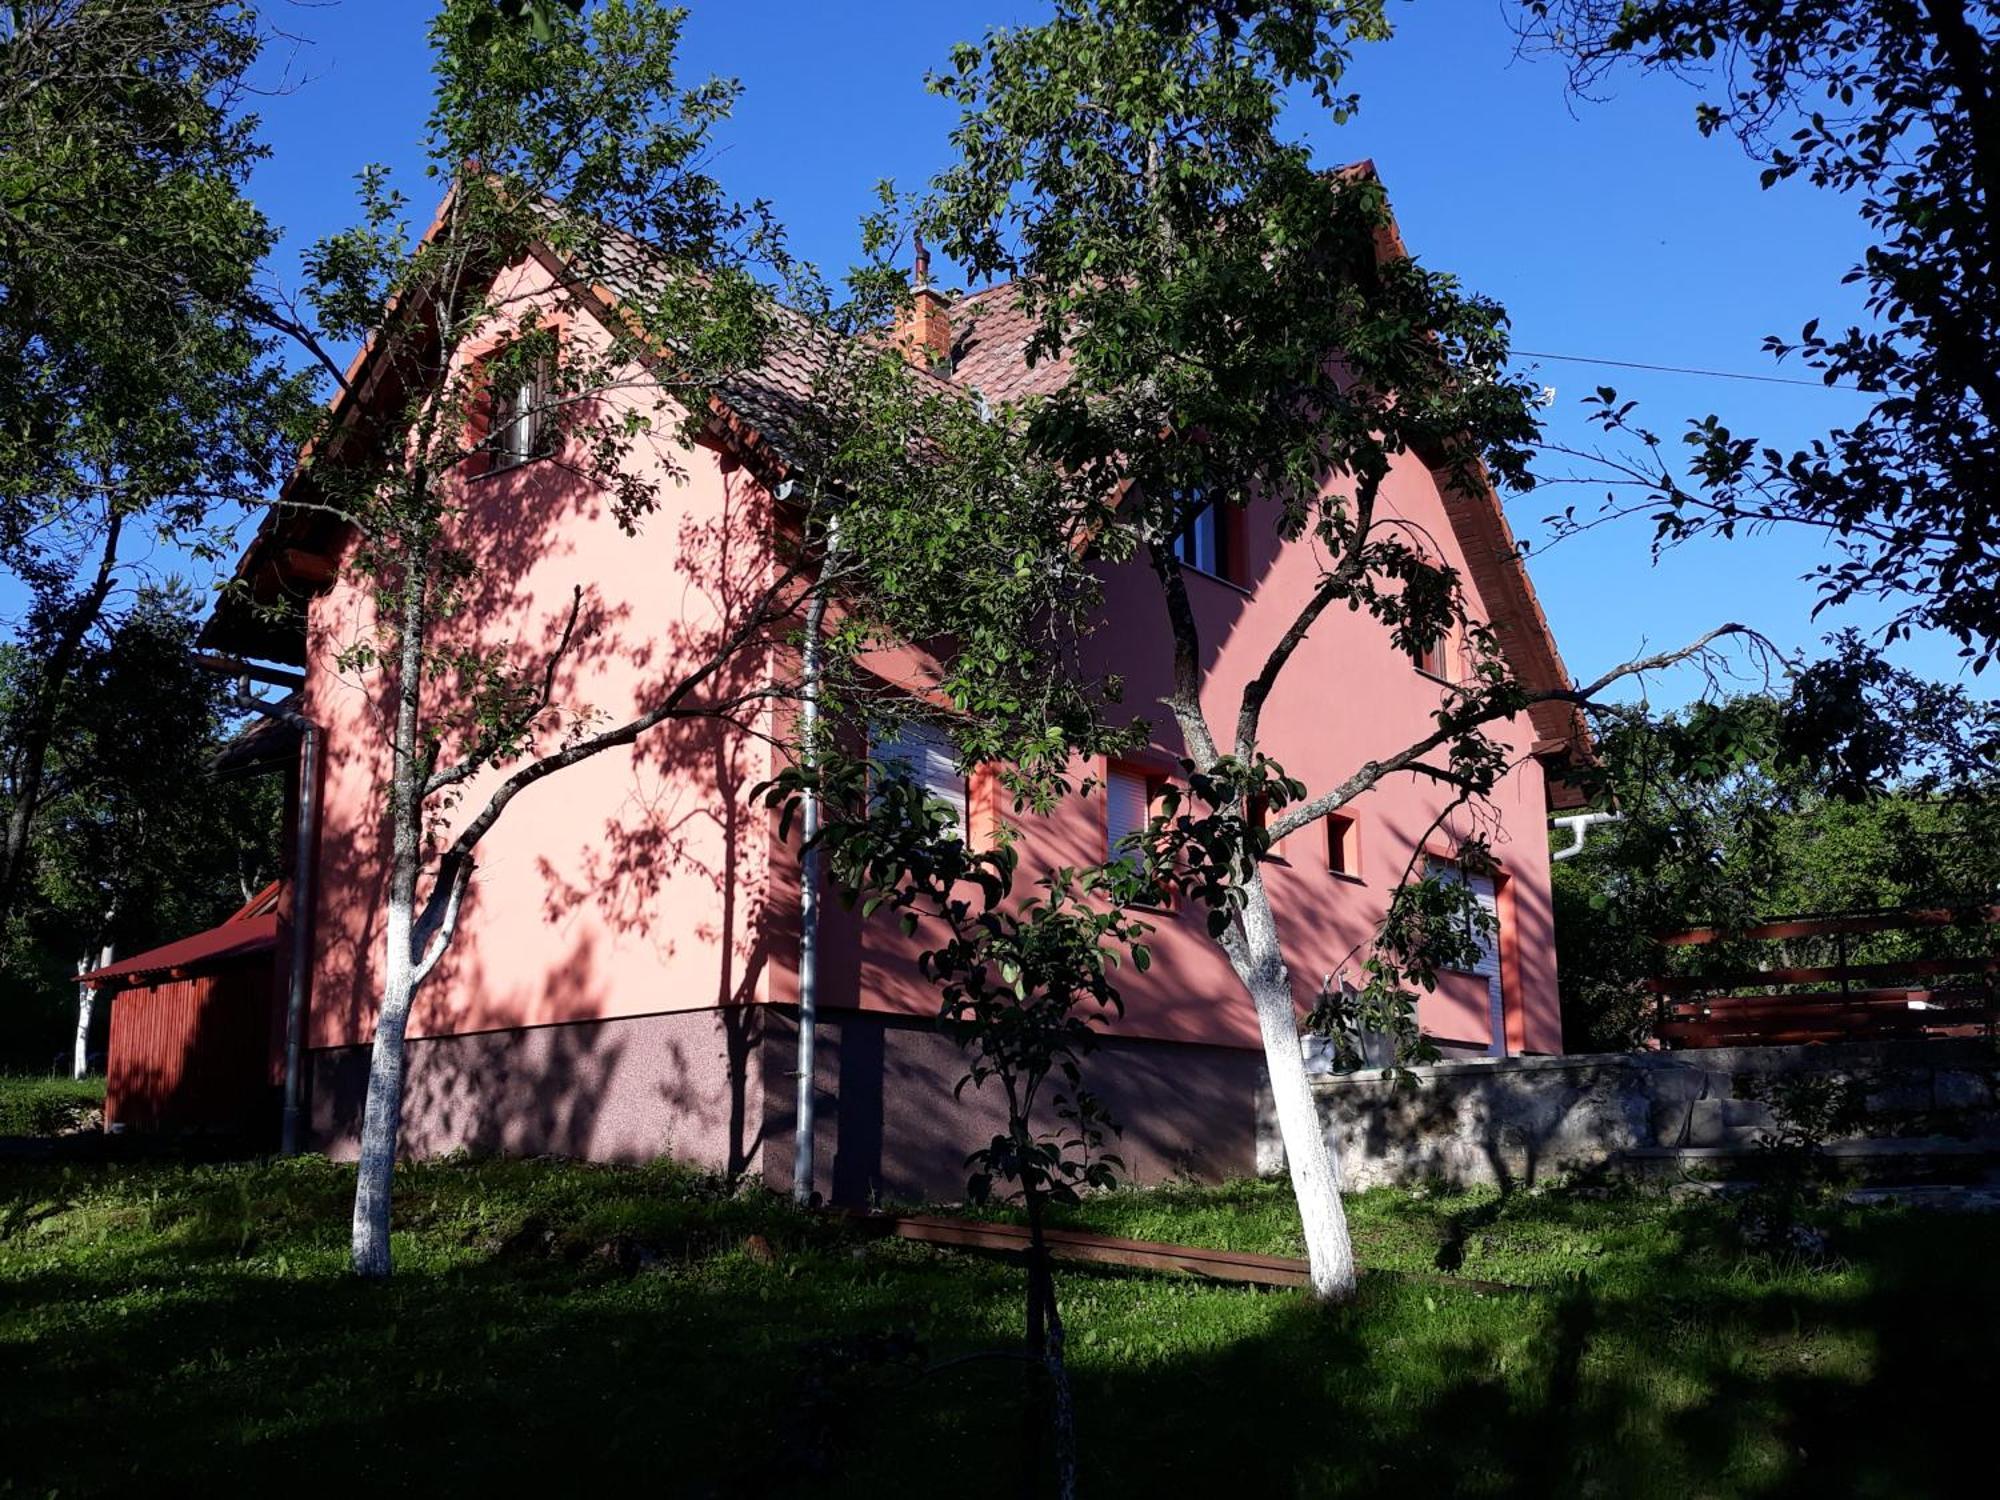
(1514,1121)
(627,1089)
(718,1088)
(890,1128)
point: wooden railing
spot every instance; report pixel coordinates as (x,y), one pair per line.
(1919,996)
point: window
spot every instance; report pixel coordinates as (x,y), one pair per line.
(1343,845)
(928,758)
(1487,965)
(1203,543)
(1483,889)
(1128,807)
(521,426)
(1431,660)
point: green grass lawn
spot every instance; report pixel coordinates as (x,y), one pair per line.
(552,1327)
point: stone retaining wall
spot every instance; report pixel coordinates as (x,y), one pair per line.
(1514,1121)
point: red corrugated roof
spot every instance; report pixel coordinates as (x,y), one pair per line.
(252,929)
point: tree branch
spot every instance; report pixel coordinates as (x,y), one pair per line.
(439,922)
(501,734)
(1184,702)
(1334,585)
(1456,724)
(674,705)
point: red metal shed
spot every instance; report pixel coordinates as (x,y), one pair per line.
(196,1037)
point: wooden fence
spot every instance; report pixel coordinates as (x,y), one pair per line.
(1918,996)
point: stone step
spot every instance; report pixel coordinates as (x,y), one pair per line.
(1936,1197)
(1903,1160)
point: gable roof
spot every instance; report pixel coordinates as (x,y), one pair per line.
(990,331)
(760,413)
(990,335)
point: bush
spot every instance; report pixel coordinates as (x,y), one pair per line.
(47,1106)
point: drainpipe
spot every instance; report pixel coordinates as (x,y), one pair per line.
(1579,826)
(306,836)
(806,1111)
(302,907)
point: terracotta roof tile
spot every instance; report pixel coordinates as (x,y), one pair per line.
(990,336)
(990,332)
(773,399)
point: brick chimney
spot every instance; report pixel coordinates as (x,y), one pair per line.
(924,332)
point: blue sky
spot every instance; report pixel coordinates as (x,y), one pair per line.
(1609,230)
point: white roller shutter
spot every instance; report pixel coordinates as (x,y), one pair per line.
(1126,808)
(1487,965)
(926,756)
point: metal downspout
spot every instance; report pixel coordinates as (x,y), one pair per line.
(806,1109)
(302,907)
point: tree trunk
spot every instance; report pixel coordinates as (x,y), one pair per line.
(86,998)
(1051,1406)
(1314,1169)
(86,1007)
(382,1114)
(37,718)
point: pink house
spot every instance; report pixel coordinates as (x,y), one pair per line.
(624,983)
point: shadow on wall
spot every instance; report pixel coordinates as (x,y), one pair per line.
(645,893)
(628,1088)
(890,1129)
(1499,1128)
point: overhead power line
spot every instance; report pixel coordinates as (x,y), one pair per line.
(1633,364)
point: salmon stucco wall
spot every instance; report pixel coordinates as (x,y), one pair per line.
(633,882)
(1347,696)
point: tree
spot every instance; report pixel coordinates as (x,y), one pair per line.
(582,142)
(1020,983)
(1238,326)
(540,15)
(134,838)
(1896,105)
(1862,788)
(565,140)
(141,398)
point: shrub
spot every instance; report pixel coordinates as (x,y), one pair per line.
(47,1106)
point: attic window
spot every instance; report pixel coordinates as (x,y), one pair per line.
(1431,659)
(1434,658)
(1204,543)
(1343,845)
(521,426)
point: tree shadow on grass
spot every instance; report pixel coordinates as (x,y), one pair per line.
(556,1328)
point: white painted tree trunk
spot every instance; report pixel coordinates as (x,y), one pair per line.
(86,1007)
(1315,1171)
(382,1113)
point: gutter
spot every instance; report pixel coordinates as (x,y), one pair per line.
(806,1107)
(1578,826)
